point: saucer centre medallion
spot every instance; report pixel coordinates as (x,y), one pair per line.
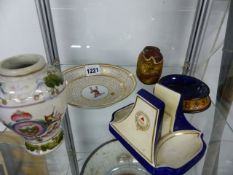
(95,92)
(142,121)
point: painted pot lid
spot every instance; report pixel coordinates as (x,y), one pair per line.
(97,86)
(194,92)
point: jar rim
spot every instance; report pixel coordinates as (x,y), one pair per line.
(20,65)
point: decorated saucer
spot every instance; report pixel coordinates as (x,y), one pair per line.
(194,92)
(97,86)
(111,158)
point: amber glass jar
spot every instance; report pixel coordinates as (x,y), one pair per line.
(149,65)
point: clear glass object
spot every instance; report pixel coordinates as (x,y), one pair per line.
(111,158)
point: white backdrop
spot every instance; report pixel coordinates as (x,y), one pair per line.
(110,31)
(19,28)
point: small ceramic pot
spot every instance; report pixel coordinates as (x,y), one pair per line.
(32,101)
(149,65)
(194,92)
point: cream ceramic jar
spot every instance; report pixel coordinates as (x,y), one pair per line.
(32,101)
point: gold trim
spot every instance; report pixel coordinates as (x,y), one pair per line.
(167,137)
(130,74)
(100,64)
(78,78)
(172,122)
(196,105)
(152,161)
(130,107)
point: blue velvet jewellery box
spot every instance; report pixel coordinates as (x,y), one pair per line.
(155,131)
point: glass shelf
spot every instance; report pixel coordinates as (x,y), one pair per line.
(90,126)
(14,159)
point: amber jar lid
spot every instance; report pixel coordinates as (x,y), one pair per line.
(152,51)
